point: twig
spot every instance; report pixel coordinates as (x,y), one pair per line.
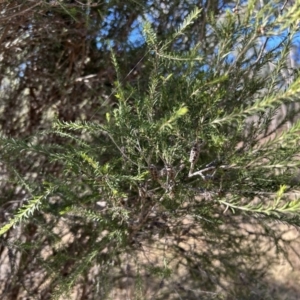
(246,48)
(283,6)
(261,51)
(116,88)
(200,172)
(122,151)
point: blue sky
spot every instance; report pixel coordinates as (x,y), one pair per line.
(136,38)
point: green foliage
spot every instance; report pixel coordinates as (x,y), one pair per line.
(195,145)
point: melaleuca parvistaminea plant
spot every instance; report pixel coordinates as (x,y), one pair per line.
(188,147)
